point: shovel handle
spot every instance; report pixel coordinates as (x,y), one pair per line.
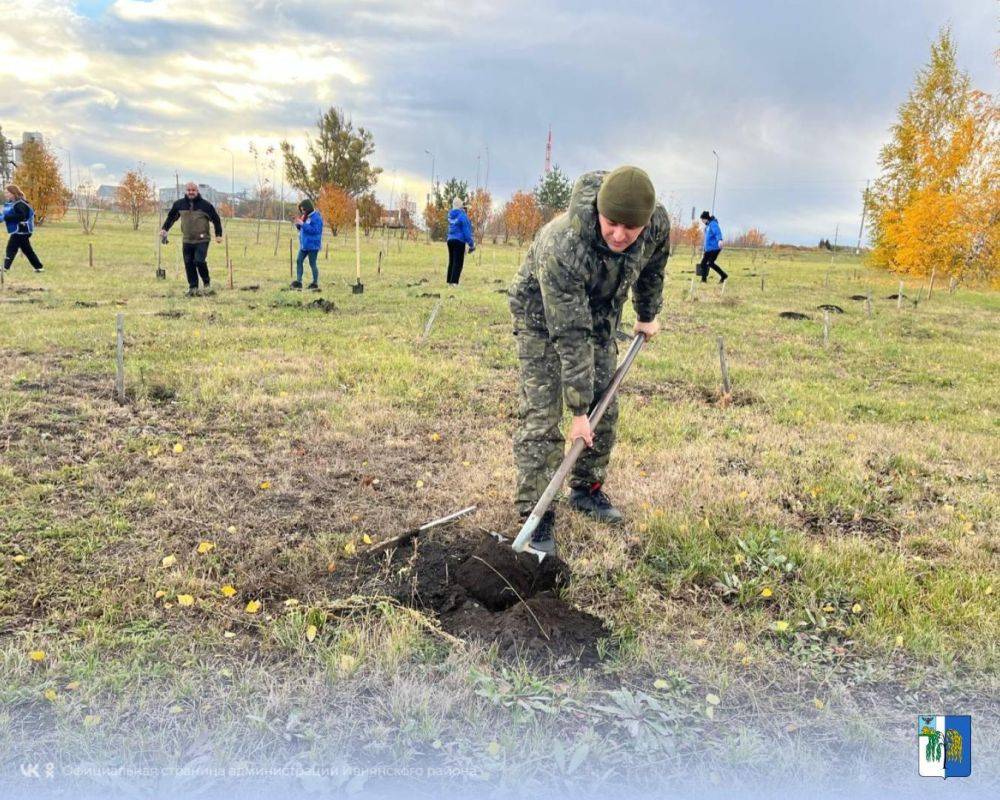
(524,536)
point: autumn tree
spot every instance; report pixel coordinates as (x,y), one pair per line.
(553,192)
(370,212)
(936,205)
(336,207)
(88,207)
(751,238)
(39,179)
(135,197)
(436,220)
(522,216)
(480,206)
(340,155)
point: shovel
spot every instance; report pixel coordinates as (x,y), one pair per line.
(359,287)
(524,536)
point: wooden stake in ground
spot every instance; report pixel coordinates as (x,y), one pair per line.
(358,287)
(826,327)
(930,288)
(727,388)
(229,262)
(120,358)
(326,253)
(291,270)
(762,284)
(90,251)
(430,320)
(378,268)
(899,296)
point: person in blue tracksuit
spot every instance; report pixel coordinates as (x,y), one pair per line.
(713,246)
(459,235)
(19,217)
(310,225)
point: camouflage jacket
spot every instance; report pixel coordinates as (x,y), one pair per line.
(572,286)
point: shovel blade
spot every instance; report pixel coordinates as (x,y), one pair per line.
(358,288)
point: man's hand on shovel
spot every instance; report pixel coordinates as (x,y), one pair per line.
(647,329)
(580,429)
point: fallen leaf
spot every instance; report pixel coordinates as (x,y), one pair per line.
(347,662)
(20,559)
(740,648)
(712,699)
(169,561)
(185,600)
(253,607)
(349,548)
(72,686)
(229,635)
(205,547)
(819,704)
(899,641)
(51,695)
(228,590)
(781,625)
(178,448)
(493,748)
(856,608)
(91,720)
(744,495)
(231,529)
(159,593)
(710,712)
(659,683)
(291,602)
(311,633)
(435,437)
(366,539)
(420,484)
(331,566)
(989,589)
(175,709)
(37,655)
(265,485)
(766,591)
(828,608)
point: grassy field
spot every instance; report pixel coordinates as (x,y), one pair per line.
(807,565)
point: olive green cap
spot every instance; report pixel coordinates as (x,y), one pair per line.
(627,197)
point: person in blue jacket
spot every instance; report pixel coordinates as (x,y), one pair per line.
(19,217)
(713,246)
(310,225)
(459,235)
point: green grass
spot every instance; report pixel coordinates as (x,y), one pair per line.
(855,482)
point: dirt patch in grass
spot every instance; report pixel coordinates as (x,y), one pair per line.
(793,315)
(480,589)
(859,297)
(830,307)
(174,313)
(842,523)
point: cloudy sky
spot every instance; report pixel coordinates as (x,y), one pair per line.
(795,97)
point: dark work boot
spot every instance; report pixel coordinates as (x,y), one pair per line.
(313,286)
(543,539)
(295,285)
(594,503)
(193,292)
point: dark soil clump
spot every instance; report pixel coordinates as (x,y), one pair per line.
(859,297)
(793,315)
(173,313)
(480,589)
(326,306)
(830,307)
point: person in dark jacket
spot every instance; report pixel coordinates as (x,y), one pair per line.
(19,217)
(197,216)
(310,225)
(459,235)
(713,246)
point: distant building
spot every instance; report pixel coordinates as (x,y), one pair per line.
(107,194)
(27,136)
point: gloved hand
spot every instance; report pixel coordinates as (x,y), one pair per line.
(472,248)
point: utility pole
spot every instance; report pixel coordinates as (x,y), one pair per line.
(864,209)
(432,175)
(716,186)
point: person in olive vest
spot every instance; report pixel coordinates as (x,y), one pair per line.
(197,217)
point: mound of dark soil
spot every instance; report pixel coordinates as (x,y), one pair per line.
(895,297)
(830,307)
(859,297)
(480,589)
(252,288)
(429,294)
(326,306)
(793,315)
(171,314)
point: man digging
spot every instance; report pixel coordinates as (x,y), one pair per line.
(566,303)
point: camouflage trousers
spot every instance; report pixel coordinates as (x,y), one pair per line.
(539,445)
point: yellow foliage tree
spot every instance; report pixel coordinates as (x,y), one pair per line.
(38,177)
(936,206)
(480,205)
(135,197)
(522,216)
(336,206)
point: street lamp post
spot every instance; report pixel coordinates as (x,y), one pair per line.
(432,174)
(716,185)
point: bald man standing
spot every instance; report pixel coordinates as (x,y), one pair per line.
(197,216)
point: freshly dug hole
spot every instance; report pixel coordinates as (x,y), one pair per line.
(498,577)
